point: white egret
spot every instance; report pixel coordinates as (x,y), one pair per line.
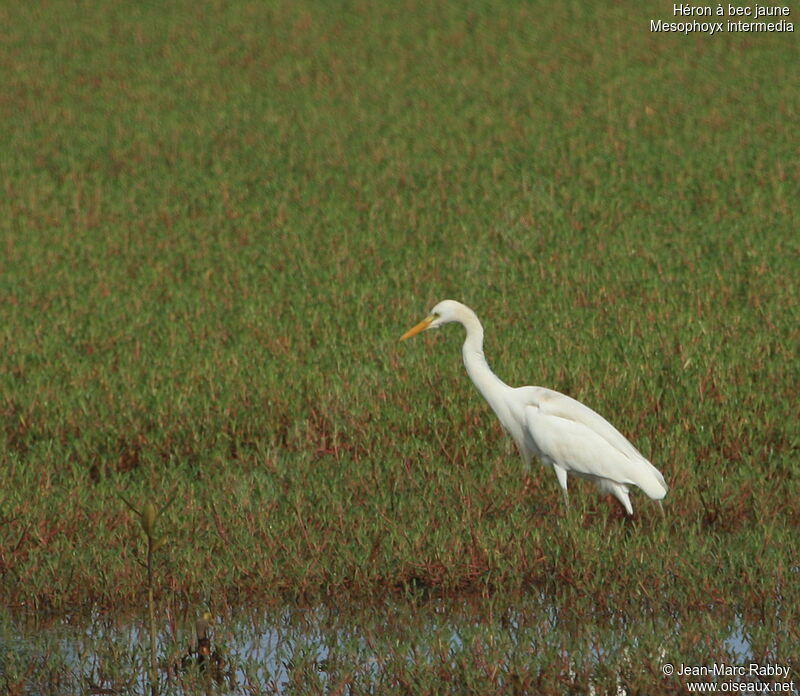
(559,430)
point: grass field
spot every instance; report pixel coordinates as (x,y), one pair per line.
(218,218)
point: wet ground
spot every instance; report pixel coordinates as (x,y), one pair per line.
(477,645)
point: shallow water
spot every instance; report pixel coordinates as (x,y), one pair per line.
(522,645)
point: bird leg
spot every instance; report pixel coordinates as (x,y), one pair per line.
(561,475)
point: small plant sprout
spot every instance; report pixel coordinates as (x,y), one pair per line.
(148,517)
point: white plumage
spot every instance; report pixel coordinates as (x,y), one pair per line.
(562,432)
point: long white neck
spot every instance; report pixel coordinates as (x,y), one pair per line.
(487,382)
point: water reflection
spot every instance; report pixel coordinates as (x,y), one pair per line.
(526,645)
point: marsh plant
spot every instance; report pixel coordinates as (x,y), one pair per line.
(148,518)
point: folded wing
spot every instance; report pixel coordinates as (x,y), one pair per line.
(574,437)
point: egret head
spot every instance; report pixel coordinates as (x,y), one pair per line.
(443,313)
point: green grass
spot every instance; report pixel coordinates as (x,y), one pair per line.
(218,218)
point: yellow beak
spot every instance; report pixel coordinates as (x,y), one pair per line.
(424,324)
